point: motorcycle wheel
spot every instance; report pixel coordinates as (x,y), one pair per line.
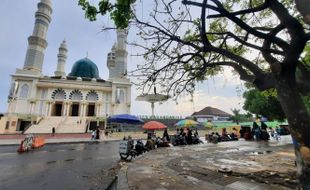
(125,156)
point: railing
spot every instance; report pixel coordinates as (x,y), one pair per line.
(38,122)
(61,122)
(27,127)
(160,117)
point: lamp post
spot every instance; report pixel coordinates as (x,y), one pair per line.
(303,6)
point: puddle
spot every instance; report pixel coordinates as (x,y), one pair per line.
(192,179)
(69,160)
(144,170)
(236,163)
(51,162)
(260,152)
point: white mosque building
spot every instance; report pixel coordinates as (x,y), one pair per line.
(70,103)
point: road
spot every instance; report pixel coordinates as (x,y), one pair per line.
(61,166)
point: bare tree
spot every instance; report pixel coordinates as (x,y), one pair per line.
(263,41)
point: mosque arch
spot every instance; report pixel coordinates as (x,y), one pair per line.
(59,94)
(24,90)
(76,95)
(92,96)
(58,108)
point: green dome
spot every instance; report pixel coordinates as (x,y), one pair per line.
(85,68)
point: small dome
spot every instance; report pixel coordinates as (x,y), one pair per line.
(84,68)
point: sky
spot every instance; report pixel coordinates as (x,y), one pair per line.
(86,38)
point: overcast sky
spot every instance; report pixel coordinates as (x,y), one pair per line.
(68,22)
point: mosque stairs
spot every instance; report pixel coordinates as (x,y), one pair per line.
(72,125)
(45,125)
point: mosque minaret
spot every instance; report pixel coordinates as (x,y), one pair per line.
(62,57)
(37,41)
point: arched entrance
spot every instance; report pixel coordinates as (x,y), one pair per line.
(91,97)
(75,107)
(75,95)
(57,109)
(91,109)
(59,95)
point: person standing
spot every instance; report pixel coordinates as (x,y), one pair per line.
(53,131)
(93,135)
(97,133)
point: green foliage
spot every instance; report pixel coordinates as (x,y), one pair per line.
(263,103)
(238,117)
(121,12)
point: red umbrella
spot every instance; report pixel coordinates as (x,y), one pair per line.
(154,125)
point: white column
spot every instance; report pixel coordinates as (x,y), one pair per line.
(64,109)
(68,108)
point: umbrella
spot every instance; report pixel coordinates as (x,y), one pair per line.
(154,125)
(125,118)
(186,123)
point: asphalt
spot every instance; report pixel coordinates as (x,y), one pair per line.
(9,140)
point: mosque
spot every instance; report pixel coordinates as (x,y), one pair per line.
(70,103)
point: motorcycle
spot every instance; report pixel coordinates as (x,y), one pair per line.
(127,149)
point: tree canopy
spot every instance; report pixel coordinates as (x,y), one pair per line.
(263,103)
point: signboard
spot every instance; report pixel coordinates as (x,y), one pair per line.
(123,147)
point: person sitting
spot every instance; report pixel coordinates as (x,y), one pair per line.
(248,134)
(196,133)
(182,133)
(178,132)
(224,135)
(270,131)
(189,138)
(241,132)
(150,144)
(166,135)
(139,147)
(233,136)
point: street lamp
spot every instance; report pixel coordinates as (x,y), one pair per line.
(303,6)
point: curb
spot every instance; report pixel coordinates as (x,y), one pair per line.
(122,181)
(69,142)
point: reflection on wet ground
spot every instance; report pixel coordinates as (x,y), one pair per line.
(65,166)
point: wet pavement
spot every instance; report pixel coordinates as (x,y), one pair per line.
(226,165)
(62,166)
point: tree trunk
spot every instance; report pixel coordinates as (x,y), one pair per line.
(299,124)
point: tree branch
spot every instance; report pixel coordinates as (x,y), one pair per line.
(246,11)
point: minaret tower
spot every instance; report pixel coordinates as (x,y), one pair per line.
(117,58)
(37,41)
(62,57)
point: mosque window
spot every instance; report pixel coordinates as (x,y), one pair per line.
(7,125)
(120,96)
(59,94)
(92,96)
(76,95)
(24,91)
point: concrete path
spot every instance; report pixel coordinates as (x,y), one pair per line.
(254,165)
